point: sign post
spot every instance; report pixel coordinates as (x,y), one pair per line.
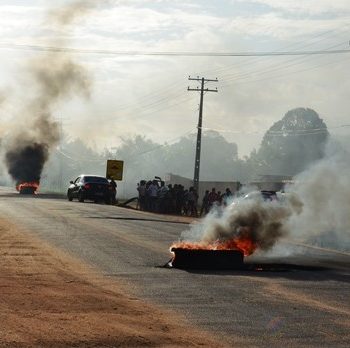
(115,170)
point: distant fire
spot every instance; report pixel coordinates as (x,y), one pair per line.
(27,187)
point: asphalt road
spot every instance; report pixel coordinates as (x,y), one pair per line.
(296,300)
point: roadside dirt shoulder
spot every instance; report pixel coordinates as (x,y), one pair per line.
(50,300)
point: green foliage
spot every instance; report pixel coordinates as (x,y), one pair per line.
(145,159)
(67,162)
(217,157)
(287,148)
(293,143)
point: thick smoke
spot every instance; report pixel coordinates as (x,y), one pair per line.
(68,14)
(261,222)
(324,190)
(54,77)
(314,210)
(26,164)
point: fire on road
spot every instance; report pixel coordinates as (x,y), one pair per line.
(293,300)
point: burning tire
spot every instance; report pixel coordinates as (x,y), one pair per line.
(207,259)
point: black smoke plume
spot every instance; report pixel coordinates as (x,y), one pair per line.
(55,77)
(25,163)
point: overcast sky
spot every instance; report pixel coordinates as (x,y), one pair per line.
(148,95)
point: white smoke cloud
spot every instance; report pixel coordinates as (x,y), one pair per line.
(324,190)
(314,210)
(261,222)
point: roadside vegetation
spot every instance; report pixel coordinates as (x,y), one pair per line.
(287,148)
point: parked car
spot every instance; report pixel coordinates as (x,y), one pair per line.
(90,187)
(264,194)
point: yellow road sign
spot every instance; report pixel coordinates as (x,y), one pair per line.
(115,169)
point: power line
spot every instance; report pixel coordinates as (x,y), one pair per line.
(230,82)
(243,75)
(80,159)
(170,90)
(159,146)
(271,68)
(151,111)
(54,49)
(280,133)
(287,47)
(147,103)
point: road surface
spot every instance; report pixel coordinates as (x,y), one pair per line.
(299,300)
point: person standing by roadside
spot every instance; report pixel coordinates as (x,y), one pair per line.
(227,197)
(179,199)
(142,194)
(205,204)
(113,185)
(153,194)
(212,197)
(161,195)
(192,202)
(218,198)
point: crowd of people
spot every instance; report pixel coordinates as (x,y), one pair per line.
(157,197)
(215,198)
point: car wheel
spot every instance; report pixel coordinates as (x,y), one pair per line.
(80,197)
(69,196)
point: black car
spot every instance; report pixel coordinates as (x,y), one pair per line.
(91,187)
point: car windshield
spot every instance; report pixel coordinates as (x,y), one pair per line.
(95,179)
(265,195)
(269,195)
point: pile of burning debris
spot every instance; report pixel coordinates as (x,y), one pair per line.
(206,259)
(219,255)
(222,240)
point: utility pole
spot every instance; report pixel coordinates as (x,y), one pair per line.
(60,179)
(199,128)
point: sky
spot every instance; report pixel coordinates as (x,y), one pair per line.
(148,94)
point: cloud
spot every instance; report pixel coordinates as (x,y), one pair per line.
(148,94)
(273,25)
(310,7)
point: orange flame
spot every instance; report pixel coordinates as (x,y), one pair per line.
(243,244)
(30,185)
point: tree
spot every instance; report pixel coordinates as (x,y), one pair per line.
(293,143)
(143,159)
(67,162)
(217,157)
